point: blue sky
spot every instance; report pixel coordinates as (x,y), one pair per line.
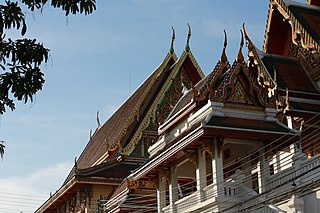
(96,62)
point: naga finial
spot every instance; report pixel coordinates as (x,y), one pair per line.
(98,120)
(240,57)
(223,57)
(275,77)
(172,40)
(287,100)
(225,43)
(188,39)
(75,163)
(250,45)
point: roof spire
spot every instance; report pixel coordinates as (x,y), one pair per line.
(75,163)
(98,120)
(287,100)
(188,39)
(172,40)
(249,43)
(275,77)
(240,57)
(223,57)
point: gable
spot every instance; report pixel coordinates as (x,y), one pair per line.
(289,20)
(241,87)
(239,96)
(290,73)
(309,17)
(184,73)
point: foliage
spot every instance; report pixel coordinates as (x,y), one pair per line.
(20,59)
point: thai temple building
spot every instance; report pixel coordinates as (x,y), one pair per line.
(244,138)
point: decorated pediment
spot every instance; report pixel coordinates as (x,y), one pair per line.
(240,95)
(293,30)
(245,82)
(174,81)
(241,89)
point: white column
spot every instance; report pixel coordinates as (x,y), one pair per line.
(87,204)
(173,189)
(161,193)
(297,158)
(217,170)
(201,174)
(263,171)
(296,204)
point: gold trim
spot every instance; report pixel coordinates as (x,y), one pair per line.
(305,39)
(152,110)
(241,107)
(135,112)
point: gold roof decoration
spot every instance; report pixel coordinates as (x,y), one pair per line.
(138,134)
(223,57)
(152,110)
(172,41)
(254,60)
(135,114)
(188,38)
(240,58)
(300,35)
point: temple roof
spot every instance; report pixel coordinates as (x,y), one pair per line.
(201,91)
(290,73)
(106,141)
(307,15)
(108,137)
(244,124)
(119,135)
(112,168)
(304,21)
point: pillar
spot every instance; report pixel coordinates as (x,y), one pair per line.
(217,168)
(173,189)
(263,171)
(201,174)
(161,192)
(296,204)
(298,157)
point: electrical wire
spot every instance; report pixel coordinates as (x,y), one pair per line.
(133,199)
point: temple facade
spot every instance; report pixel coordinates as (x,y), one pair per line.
(244,138)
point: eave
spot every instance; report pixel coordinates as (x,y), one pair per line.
(283,7)
(173,148)
(112,169)
(249,134)
(175,120)
(71,186)
(299,94)
(195,76)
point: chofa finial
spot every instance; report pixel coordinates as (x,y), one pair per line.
(75,163)
(225,43)
(98,120)
(223,57)
(172,40)
(250,45)
(240,57)
(188,39)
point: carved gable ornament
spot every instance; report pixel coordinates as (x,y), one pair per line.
(239,95)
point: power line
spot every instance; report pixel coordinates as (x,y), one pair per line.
(135,199)
(22,198)
(23,195)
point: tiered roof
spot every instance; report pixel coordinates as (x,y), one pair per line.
(108,152)
(246,96)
